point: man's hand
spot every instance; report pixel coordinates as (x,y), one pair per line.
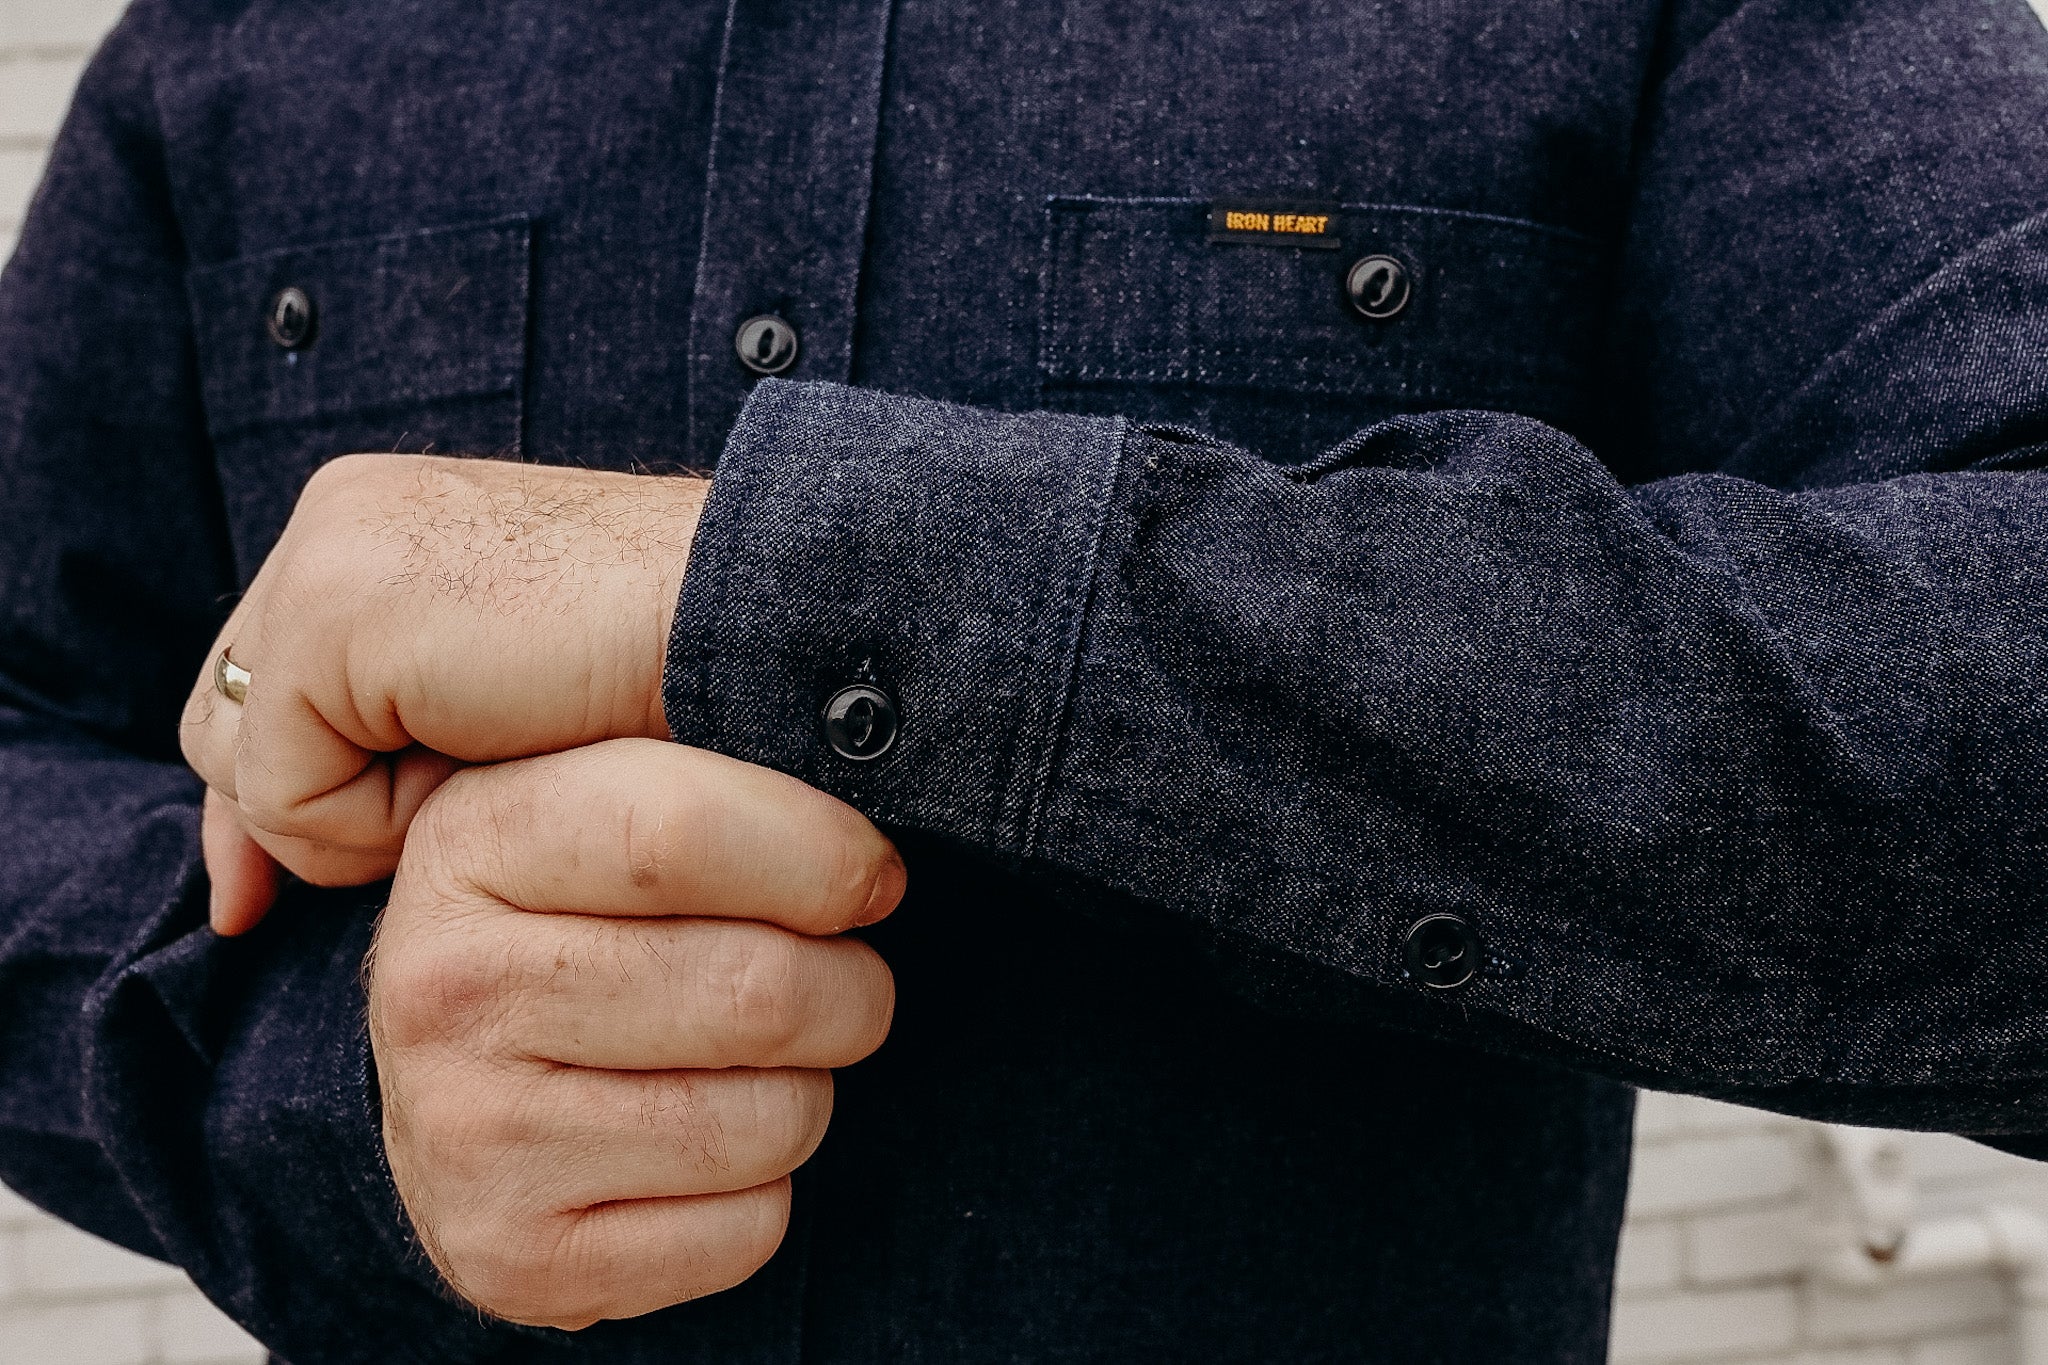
(603,1003)
(418,613)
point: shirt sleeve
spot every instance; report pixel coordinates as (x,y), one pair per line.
(1732,781)
(203,1102)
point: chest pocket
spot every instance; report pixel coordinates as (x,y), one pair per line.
(1276,347)
(414,342)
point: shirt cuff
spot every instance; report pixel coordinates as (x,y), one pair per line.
(885,599)
(231,1085)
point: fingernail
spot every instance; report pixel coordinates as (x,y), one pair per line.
(890,883)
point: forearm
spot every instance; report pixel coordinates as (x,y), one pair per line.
(198,1101)
(1731,784)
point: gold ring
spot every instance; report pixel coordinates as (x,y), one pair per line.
(230,679)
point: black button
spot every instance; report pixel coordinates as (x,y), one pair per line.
(1378,286)
(291,319)
(860,722)
(767,344)
(1441,951)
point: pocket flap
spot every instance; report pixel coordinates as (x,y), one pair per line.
(1497,312)
(415,317)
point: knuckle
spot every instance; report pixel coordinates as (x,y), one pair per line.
(456,822)
(472,829)
(686,1113)
(324,544)
(339,470)
(794,1108)
(278,816)
(264,802)
(764,1222)
(346,477)
(499,1246)
(878,1003)
(478,1137)
(424,992)
(426,857)
(761,976)
(866,876)
(195,723)
(648,844)
(445,808)
(562,1271)
(273,803)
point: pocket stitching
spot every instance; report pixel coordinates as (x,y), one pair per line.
(245,389)
(1522,374)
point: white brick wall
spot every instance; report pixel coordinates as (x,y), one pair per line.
(1717,1235)
(1710,1262)
(42,45)
(70,1299)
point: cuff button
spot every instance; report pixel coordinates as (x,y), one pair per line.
(1441,952)
(860,722)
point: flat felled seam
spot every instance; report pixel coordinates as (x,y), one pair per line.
(1077,611)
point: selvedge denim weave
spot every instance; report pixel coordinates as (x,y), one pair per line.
(1659,590)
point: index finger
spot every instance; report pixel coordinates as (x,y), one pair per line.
(639,827)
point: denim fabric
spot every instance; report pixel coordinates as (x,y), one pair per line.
(1658,590)
(1741,787)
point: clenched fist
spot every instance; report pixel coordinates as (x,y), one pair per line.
(418,613)
(603,1002)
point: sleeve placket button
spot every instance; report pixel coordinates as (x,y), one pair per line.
(861,722)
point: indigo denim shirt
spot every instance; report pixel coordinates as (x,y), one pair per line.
(1649,595)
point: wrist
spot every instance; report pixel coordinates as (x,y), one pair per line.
(684,497)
